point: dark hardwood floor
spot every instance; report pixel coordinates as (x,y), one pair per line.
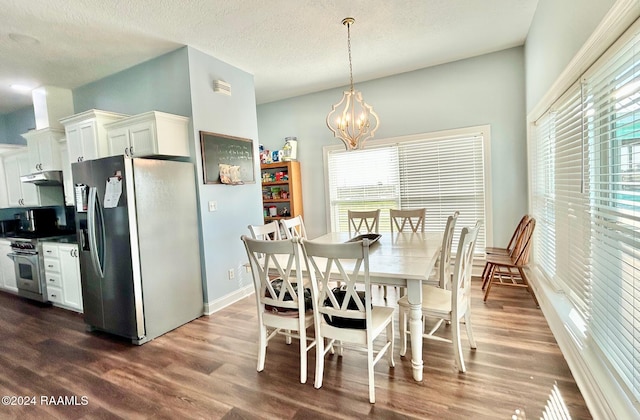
(207,369)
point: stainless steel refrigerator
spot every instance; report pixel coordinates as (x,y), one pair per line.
(137,228)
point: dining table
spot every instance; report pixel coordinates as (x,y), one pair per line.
(404,259)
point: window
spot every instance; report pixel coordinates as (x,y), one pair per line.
(585,190)
(443,172)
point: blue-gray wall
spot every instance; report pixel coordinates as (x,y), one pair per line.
(238,205)
(557,32)
(488,89)
(16,123)
(160,84)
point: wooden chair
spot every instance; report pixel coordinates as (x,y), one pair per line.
(448,305)
(363,221)
(267,232)
(512,242)
(294,227)
(509,270)
(510,246)
(344,315)
(281,304)
(413,219)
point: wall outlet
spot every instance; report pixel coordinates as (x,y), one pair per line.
(213,205)
(232,274)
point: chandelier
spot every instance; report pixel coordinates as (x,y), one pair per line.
(352,120)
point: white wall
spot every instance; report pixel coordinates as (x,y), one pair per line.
(238,206)
(488,89)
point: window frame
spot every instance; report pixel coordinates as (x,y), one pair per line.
(480,130)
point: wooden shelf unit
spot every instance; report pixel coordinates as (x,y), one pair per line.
(292,185)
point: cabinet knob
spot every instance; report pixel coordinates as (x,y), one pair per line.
(126,151)
(131,151)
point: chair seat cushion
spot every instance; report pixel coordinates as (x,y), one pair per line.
(341,322)
(277,285)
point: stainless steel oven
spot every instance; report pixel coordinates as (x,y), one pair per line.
(29,269)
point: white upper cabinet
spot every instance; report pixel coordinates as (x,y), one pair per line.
(86,134)
(151,133)
(44,149)
(25,194)
(18,193)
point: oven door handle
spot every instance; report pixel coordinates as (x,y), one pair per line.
(93,211)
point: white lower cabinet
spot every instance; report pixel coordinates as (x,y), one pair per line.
(62,271)
(7,271)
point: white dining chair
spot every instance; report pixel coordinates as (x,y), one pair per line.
(448,305)
(363,221)
(294,227)
(405,220)
(441,276)
(285,304)
(345,315)
(267,232)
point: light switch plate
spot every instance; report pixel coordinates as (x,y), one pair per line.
(213,205)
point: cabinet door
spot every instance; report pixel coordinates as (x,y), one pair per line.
(89,139)
(44,153)
(12,178)
(74,144)
(118,140)
(29,191)
(49,151)
(142,139)
(70,270)
(33,151)
(7,271)
(69,198)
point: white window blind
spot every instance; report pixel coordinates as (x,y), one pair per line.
(362,180)
(441,174)
(445,175)
(585,182)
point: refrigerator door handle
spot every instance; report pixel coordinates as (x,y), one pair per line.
(93,211)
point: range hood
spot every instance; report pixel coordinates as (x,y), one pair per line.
(45,178)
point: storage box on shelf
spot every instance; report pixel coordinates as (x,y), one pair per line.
(62,271)
(281,190)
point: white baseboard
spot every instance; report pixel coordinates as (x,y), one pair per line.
(601,391)
(223,302)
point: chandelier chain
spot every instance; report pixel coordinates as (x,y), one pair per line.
(349,48)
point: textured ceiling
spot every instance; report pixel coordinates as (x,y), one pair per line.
(291,47)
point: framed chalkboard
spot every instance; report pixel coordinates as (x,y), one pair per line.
(224,152)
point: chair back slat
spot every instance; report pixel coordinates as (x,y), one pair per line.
(517,233)
(444,268)
(294,227)
(410,219)
(347,264)
(267,232)
(461,280)
(521,251)
(264,258)
(363,221)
